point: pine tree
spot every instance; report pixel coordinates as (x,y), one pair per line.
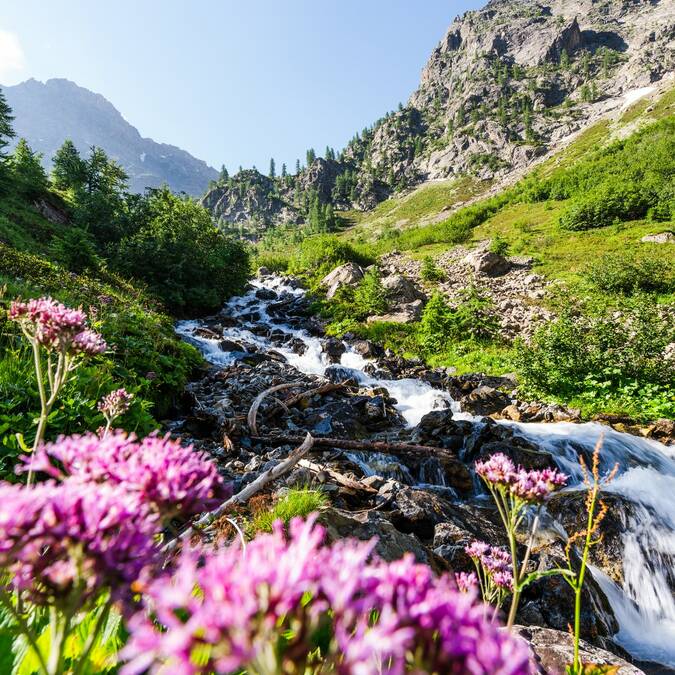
(6,130)
(284,171)
(223,174)
(273,168)
(68,168)
(564,59)
(297,167)
(311,156)
(461,116)
(6,133)
(27,169)
(585,64)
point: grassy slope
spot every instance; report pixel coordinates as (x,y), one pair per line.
(529,229)
(145,356)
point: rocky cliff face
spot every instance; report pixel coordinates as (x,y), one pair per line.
(509,81)
(506,85)
(46,114)
(250,200)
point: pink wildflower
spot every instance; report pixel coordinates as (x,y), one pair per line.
(63,544)
(170,478)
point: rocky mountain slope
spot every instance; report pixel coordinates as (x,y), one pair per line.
(48,113)
(506,85)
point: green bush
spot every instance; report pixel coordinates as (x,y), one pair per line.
(370,297)
(499,246)
(185,260)
(145,354)
(472,320)
(319,255)
(632,272)
(430,271)
(628,179)
(605,357)
(608,203)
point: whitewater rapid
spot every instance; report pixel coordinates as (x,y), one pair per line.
(644,605)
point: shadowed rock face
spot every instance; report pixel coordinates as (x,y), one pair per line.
(46,114)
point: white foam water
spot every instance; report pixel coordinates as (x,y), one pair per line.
(643,605)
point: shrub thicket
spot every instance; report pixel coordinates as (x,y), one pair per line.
(605,357)
(629,273)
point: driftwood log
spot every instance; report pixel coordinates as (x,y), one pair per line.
(205,521)
(454,468)
(338,477)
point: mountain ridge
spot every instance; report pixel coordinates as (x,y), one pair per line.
(47,113)
(506,85)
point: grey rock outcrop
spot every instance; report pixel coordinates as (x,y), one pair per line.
(348,274)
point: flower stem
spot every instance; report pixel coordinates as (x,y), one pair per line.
(93,636)
(25,629)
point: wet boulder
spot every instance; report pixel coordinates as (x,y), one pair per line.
(554,650)
(340,374)
(333,349)
(485,400)
(392,544)
(231,346)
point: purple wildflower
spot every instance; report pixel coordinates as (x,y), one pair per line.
(466,581)
(116,403)
(62,544)
(477,549)
(498,469)
(245,602)
(536,486)
(170,478)
(56,327)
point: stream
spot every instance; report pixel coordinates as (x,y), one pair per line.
(644,605)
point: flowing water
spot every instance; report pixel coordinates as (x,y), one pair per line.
(644,605)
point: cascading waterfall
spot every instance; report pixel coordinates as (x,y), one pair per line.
(644,605)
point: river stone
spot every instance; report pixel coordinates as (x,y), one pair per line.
(391,543)
(333,349)
(554,650)
(231,346)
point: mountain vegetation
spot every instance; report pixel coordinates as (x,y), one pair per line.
(135,261)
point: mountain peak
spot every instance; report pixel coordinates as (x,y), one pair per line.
(48,113)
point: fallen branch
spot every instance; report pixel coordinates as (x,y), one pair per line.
(362,446)
(253,411)
(454,468)
(205,521)
(336,476)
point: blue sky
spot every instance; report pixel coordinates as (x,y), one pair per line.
(232,82)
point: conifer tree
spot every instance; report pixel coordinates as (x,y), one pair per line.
(6,133)
(297,167)
(311,156)
(224,175)
(564,59)
(68,168)
(27,169)
(273,168)
(284,171)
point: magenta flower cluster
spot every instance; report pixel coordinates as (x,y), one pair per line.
(115,404)
(495,563)
(231,607)
(466,581)
(57,327)
(170,478)
(531,486)
(62,545)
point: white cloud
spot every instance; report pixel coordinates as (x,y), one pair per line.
(12,60)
